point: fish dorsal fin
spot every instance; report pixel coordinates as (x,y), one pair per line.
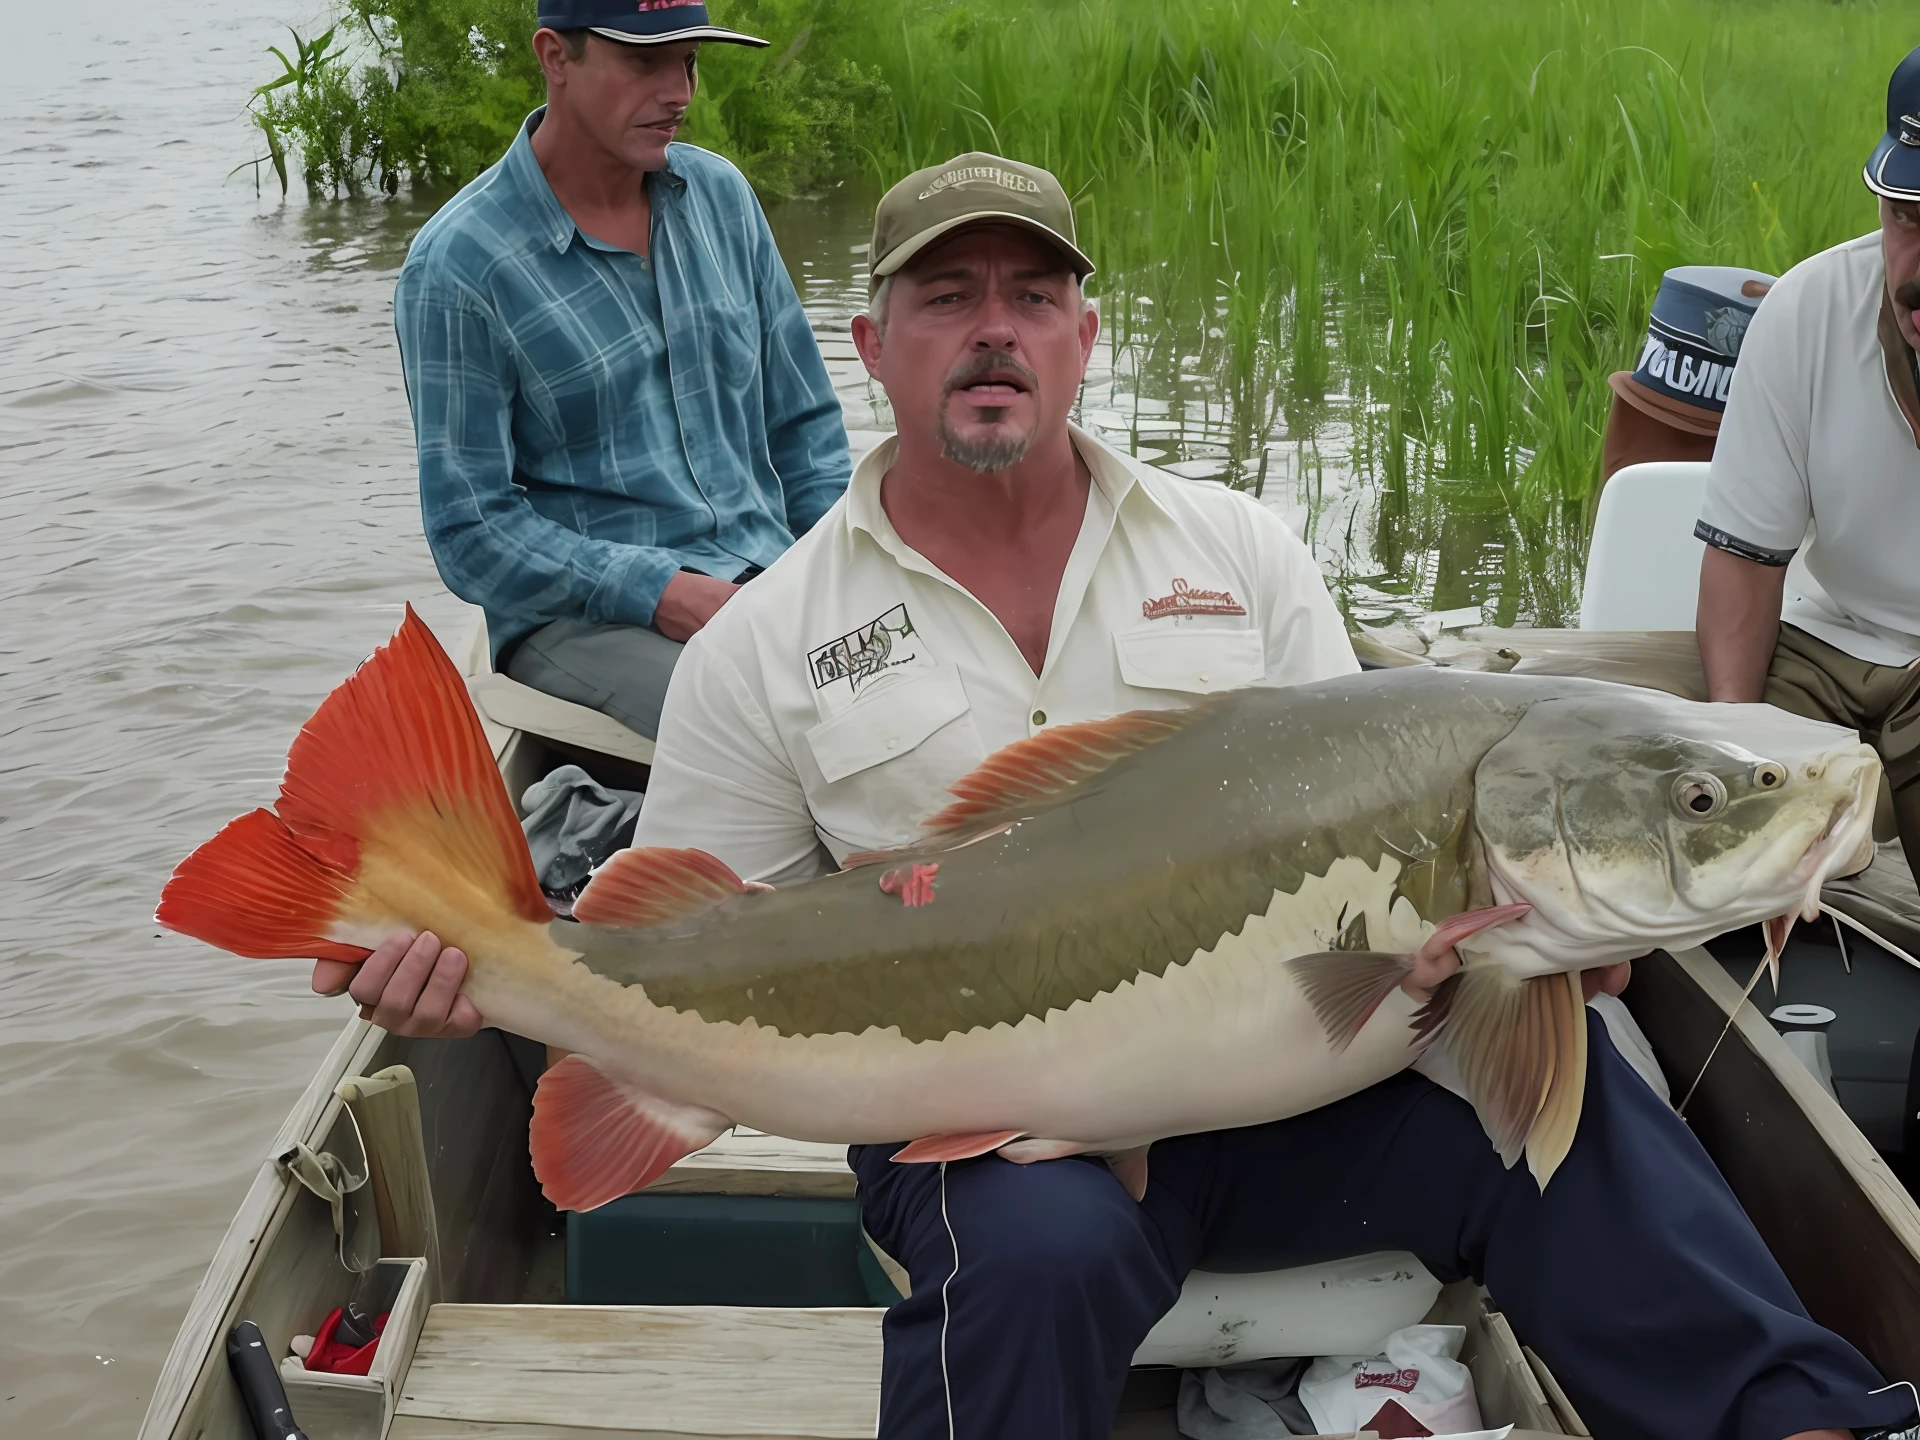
(1031,771)
(652,886)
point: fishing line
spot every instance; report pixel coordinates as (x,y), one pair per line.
(1759,970)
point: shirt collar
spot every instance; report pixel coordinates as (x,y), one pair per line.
(547,217)
(1903,375)
(1117,477)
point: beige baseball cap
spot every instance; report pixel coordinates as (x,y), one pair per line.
(971,189)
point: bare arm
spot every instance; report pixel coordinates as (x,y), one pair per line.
(1738,623)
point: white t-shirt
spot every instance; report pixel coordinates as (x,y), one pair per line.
(1813,438)
(834,699)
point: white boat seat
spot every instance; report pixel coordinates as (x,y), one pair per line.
(1342,1307)
(1643,567)
(505,705)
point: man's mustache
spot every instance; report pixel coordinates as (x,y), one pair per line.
(1908,294)
(986,365)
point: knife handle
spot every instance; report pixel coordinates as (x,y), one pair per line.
(261,1392)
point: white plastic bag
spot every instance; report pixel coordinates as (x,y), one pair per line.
(1417,1387)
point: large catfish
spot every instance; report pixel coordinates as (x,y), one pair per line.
(1167,922)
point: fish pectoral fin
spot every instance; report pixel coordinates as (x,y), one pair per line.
(1521,1048)
(653,885)
(931,1148)
(1345,987)
(596,1138)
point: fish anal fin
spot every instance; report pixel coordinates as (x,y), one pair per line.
(1035,769)
(253,890)
(654,885)
(1345,987)
(931,1148)
(595,1138)
(1521,1046)
(395,761)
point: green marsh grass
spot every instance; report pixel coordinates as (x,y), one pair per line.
(1438,224)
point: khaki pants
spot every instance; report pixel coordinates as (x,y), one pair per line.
(1812,678)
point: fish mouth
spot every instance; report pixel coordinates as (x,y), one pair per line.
(1844,847)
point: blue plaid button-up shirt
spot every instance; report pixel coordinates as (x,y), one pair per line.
(589,422)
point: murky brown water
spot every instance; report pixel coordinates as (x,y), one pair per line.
(209,517)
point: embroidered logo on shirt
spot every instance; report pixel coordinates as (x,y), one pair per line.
(1401,1380)
(1185,600)
(865,654)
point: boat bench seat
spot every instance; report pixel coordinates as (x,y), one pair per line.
(1338,1307)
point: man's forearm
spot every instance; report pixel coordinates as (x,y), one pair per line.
(1737,623)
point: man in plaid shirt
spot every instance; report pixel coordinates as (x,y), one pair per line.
(620,410)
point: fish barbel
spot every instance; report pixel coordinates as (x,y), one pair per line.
(1168,922)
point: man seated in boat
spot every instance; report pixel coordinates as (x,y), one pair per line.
(1820,449)
(620,408)
(1009,573)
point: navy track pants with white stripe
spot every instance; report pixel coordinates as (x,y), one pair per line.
(1636,1276)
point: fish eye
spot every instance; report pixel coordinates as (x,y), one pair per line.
(1769,776)
(1699,796)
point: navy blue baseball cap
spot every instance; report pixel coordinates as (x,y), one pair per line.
(1894,170)
(640,22)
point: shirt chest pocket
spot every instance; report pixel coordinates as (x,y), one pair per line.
(1198,662)
(887,759)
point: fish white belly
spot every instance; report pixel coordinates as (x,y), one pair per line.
(1225,1039)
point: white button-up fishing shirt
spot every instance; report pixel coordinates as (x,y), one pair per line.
(827,708)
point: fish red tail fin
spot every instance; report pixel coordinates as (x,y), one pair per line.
(391,817)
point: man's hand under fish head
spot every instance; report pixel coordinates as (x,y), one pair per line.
(409,985)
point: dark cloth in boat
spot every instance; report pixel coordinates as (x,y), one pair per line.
(573,823)
(1636,1276)
(1818,680)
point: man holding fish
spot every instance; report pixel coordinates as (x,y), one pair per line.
(1820,450)
(1093,987)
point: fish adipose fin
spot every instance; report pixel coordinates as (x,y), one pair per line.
(595,1139)
(1521,1047)
(1029,771)
(931,1148)
(655,885)
(391,816)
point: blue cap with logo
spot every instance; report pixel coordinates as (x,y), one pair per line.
(1699,319)
(1894,169)
(640,22)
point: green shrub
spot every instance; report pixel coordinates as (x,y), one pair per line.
(432,91)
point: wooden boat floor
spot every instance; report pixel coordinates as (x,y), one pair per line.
(746,1162)
(566,1372)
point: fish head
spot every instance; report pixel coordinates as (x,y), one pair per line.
(1633,821)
